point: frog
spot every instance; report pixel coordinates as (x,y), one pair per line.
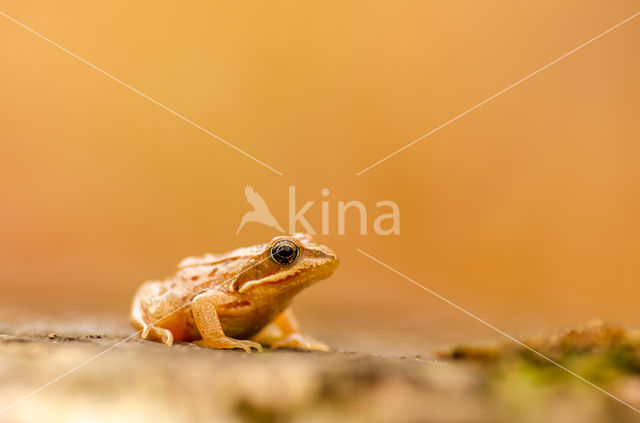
(236,300)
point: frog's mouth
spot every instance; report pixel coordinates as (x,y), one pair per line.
(271,280)
(295,277)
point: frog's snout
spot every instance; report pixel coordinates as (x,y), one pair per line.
(331,258)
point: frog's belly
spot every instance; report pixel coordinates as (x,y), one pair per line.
(181,325)
(234,324)
(244,326)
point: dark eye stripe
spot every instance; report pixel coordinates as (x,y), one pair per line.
(284,252)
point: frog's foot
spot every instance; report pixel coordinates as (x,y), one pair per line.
(158,334)
(229,343)
(300,342)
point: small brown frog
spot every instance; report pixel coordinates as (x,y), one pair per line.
(236,300)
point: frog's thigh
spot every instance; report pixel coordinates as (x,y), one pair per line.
(162,305)
(284,332)
(206,318)
(151,304)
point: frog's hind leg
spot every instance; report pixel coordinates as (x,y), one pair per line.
(141,320)
(284,332)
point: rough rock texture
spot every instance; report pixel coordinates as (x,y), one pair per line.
(145,381)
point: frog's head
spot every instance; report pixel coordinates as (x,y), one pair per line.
(285,266)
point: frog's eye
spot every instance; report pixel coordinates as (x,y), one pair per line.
(284,252)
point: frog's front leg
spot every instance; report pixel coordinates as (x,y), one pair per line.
(284,332)
(204,312)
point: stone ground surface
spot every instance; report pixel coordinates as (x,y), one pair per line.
(146,381)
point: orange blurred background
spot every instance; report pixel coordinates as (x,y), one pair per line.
(524,212)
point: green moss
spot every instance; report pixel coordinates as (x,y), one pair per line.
(597,352)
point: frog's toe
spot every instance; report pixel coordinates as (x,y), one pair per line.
(167,337)
(229,343)
(252,344)
(300,342)
(158,334)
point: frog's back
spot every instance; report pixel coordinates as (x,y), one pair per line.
(193,280)
(235,256)
(198,274)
